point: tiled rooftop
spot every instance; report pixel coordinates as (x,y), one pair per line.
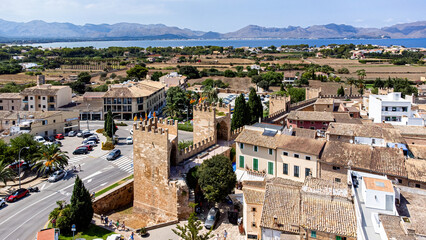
(365,130)
(326,187)
(419,151)
(335,216)
(311,116)
(416,169)
(377,159)
(393,228)
(252,196)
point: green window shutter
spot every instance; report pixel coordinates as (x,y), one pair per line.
(270,168)
(313,234)
(255,164)
(338,238)
(241,161)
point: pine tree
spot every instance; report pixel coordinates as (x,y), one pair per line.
(241,114)
(110,130)
(191,230)
(81,205)
(341,91)
(255,105)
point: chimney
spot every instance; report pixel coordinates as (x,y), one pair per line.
(40,80)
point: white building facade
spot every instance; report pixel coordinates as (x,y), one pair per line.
(392,108)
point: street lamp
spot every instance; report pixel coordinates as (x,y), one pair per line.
(88,115)
(19,164)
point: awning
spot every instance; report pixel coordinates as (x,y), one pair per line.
(247,176)
(71,126)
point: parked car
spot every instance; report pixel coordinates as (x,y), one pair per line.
(16,165)
(89,147)
(59,143)
(79,134)
(50,138)
(81,150)
(2,202)
(18,194)
(114,154)
(129,140)
(58,175)
(87,134)
(114,237)
(59,136)
(72,133)
(91,143)
(39,139)
(93,138)
(212,218)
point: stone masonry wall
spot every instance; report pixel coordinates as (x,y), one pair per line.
(116,198)
(204,123)
(154,195)
(328,173)
(278,103)
(312,93)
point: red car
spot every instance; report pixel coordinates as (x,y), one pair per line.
(18,194)
(59,136)
(89,147)
(16,165)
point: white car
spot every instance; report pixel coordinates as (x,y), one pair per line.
(39,139)
(91,143)
(2,202)
(129,140)
(114,237)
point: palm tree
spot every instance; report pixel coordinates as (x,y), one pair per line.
(171,110)
(6,173)
(351,81)
(361,74)
(50,157)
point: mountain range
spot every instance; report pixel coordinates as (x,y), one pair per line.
(38,30)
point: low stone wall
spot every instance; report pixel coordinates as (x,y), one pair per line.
(114,199)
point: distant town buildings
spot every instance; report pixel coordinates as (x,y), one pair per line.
(174,79)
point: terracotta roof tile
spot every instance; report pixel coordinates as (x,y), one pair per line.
(416,169)
(365,130)
(393,228)
(335,216)
(311,116)
(378,159)
(254,196)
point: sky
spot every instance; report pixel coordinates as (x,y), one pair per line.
(218,15)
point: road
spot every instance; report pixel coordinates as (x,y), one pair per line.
(21,220)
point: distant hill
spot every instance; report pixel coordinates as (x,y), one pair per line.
(40,30)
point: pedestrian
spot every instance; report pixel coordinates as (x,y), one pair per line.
(217,236)
(225,234)
(123,226)
(132,236)
(102,218)
(79,167)
(106,220)
(110,223)
(118,224)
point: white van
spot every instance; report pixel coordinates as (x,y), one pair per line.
(39,139)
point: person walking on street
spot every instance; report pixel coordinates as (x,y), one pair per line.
(79,167)
(106,220)
(118,224)
(102,218)
(110,223)
(123,226)
(225,234)
(132,236)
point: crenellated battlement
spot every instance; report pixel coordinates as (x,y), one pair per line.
(236,132)
(196,148)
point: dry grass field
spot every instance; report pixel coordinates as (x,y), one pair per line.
(373,71)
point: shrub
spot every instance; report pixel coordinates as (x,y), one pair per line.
(121,124)
(107,146)
(100,130)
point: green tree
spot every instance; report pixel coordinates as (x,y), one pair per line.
(264,85)
(6,153)
(109,126)
(137,72)
(84,77)
(78,87)
(81,205)
(177,100)
(241,114)
(211,94)
(239,68)
(216,178)
(230,74)
(21,141)
(255,105)
(296,94)
(49,157)
(351,81)
(378,83)
(6,173)
(156,76)
(361,74)
(341,91)
(343,71)
(190,71)
(191,230)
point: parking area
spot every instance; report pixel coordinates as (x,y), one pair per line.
(229,98)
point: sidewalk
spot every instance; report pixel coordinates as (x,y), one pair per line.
(25,183)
